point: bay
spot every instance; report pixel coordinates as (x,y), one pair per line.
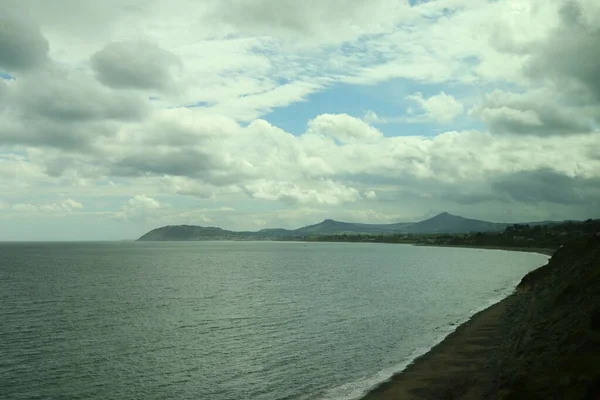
(232,320)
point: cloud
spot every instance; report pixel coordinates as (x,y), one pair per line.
(196,153)
(188,187)
(441,108)
(559,93)
(143,201)
(68,205)
(22,46)
(334,20)
(344,128)
(570,55)
(370,195)
(547,185)
(324,192)
(135,65)
(64,109)
(536,112)
(85,18)
(25,207)
(3,92)
(141,208)
(371,117)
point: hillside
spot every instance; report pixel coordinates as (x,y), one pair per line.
(186,233)
(448,223)
(442,223)
(552,342)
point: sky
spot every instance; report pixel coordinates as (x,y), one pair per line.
(120,116)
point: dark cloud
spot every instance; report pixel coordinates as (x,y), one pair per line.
(58,110)
(3,92)
(566,64)
(571,55)
(22,46)
(548,186)
(204,166)
(58,97)
(135,65)
(84,18)
(533,113)
(46,133)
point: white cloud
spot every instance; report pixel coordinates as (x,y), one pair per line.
(442,108)
(371,117)
(24,207)
(324,192)
(68,205)
(333,162)
(141,208)
(71,204)
(344,128)
(143,201)
(370,195)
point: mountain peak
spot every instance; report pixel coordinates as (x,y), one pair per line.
(445,216)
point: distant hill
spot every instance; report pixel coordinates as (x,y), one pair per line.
(187,233)
(441,223)
(329,227)
(448,223)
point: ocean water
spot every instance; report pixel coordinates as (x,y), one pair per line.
(232,320)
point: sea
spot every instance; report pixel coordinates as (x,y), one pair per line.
(232,320)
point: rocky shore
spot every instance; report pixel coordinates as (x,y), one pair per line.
(542,342)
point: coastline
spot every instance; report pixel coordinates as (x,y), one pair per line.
(461,366)
(464,364)
(511,350)
(539,250)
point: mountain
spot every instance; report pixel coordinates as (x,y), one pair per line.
(441,223)
(448,223)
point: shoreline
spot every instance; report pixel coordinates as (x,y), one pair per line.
(546,251)
(459,366)
(464,363)
(539,342)
(539,250)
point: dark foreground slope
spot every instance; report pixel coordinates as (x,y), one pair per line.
(552,344)
(542,342)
